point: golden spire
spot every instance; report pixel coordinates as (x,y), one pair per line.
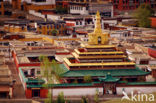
(97,28)
(98,37)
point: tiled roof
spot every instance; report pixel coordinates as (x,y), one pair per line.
(141,83)
(98,73)
(35,81)
(62,85)
(109,78)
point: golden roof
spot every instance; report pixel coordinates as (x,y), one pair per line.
(114,52)
(99,56)
(97,46)
(97,64)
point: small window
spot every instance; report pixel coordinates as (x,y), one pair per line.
(38,72)
(40,26)
(80,23)
(77,23)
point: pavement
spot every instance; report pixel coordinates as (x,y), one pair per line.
(18,91)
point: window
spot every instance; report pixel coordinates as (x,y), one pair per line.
(40,26)
(80,23)
(77,23)
(38,0)
(116,6)
(38,72)
(87,8)
(36,93)
(22,27)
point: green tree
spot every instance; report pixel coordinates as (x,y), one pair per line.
(51,73)
(61,10)
(96,97)
(143,14)
(54,32)
(49,98)
(60,98)
(87,79)
(84,100)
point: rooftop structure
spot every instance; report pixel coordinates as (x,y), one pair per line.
(98,57)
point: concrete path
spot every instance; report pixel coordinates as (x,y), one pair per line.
(18,88)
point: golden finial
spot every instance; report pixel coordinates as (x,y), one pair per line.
(97,14)
(97,28)
(98,37)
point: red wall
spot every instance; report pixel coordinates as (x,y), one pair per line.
(152,52)
(29,64)
(154,73)
(43,93)
(70,24)
(28,93)
(15,60)
(153,22)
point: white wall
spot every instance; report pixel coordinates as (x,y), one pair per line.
(128,90)
(48,2)
(76,91)
(53,17)
(50,17)
(36,13)
(152,62)
(92,90)
(78,10)
(22,81)
(116,35)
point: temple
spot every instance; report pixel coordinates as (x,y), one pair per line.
(103,62)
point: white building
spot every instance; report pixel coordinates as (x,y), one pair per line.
(40,2)
(78,8)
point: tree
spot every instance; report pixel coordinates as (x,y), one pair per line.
(49,98)
(51,73)
(84,100)
(60,98)
(54,32)
(143,14)
(61,10)
(87,79)
(96,97)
